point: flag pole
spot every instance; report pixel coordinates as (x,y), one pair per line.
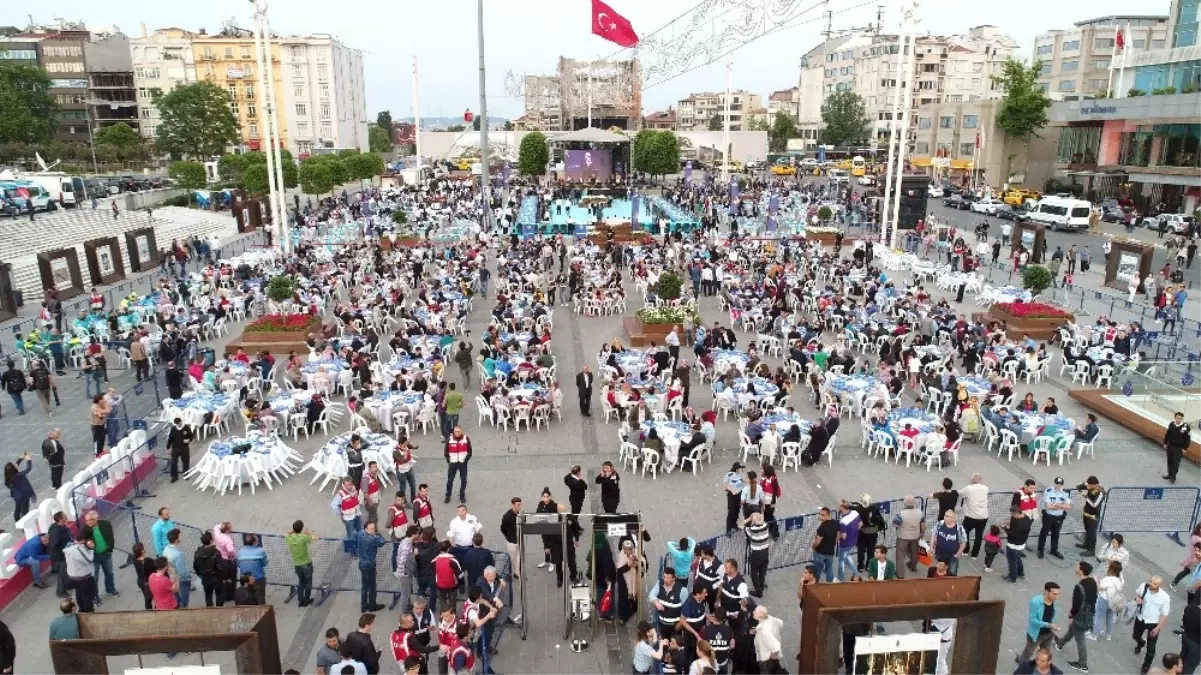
(1112,59)
(1125,51)
(416,121)
(485,159)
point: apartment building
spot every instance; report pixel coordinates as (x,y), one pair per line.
(1076,63)
(696,111)
(949,69)
(661,120)
(63,60)
(951,140)
(112,95)
(543,103)
(161,61)
(787,101)
(318,85)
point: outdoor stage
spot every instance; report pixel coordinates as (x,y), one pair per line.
(1147,414)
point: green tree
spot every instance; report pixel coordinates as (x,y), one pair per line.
(475,123)
(1036,278)
(844,119)
(361,166)
(715,123)
(231,166)
(378,139)
(759,124)
(533,155)
(255,179)
(119,135)
(1023,111)
(782,129)
(196,121)
(456,128)
(187,175)
(316,177)
(383,120)
(26,108)
(663,153)
(639,151)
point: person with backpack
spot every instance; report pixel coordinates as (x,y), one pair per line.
(1081,615)
(13,381)
(43,386)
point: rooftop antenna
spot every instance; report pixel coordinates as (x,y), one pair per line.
(879,19)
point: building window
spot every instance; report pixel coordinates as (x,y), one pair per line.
(324,89)
(251,110)
(971,121)
(923,123)
(1179,144)
(322,71)
(967,149)
(302,128)
(1158,44)
(64,67)
(1041,86)
(1187,73)
(978,67)
(1150,78)
(143,93)
(1067,85)
(325,111)
(922,148)
(976,82)
(249,91)
(946,122)
(1044,68)
(1043,50)
(943,149)
(19,55)
(322,53)
(957,83)
(955,98)
(246,52)
(304,147)
(302,110)
(297,70)
(1184,34)
(1099,64)
(1103,43)
(229,52)
(1140,43)
(1098,86)
(233,108)
(146,113)
(298,90)
(297,52)
(233,90)
(253,129)
(326,131)
(1071,46)
(1069,66)
(1079,145)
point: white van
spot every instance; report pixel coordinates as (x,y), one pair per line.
(58,186)
(1061,213)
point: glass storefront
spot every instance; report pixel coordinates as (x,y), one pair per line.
(1175,145)
(1079,144)
(1136,148)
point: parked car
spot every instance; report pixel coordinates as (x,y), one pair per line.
(987,205)
(936,192)
(867,179)
(1019,196)
(1177,223)
(1014,213)
(953,201)
(783,170)
(1113,214)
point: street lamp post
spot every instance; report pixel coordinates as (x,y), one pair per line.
(485,172)
(274,187)
(902,140)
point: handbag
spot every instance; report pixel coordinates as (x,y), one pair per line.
(1131,609)
(606,601)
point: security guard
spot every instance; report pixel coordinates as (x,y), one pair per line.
(694,612)
(669,602)
(708,573)
(734,593)
(1056,503)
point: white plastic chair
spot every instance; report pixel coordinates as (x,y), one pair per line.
(1010,443)
(905,446)
(651,461)
(1080,372)
(1105,372)
(1041,446)
(1086,446)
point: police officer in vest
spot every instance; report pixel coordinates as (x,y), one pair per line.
(720,637)
(404,642)
(708,573)
(734,594)
(669,602)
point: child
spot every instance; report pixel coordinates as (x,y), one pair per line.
(992,546)
(1067,279)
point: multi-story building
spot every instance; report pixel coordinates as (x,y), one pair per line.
(607,92)
(697,110)
(948,69)
(112,94)
(660,120)
(952,140)
(161,61)
(1076,63)
(63,60)
(22,50)
(787,101)
(319,88)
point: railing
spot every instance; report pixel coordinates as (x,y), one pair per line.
(1128,510)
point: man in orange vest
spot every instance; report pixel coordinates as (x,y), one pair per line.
(370,488)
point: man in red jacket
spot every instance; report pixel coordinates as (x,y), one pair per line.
(457,453)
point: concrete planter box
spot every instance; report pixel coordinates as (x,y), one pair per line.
(274,342)
(1015,326)
(640,334)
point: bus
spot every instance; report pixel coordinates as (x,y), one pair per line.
(15,195)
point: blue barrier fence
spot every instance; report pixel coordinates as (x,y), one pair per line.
(1171,511)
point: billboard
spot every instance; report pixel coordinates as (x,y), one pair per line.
(583,165)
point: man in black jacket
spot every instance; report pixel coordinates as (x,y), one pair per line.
(56,457)
(58,538)
(13,381)
(583,383)
(1175,440)
(361,647)
(99,535)
(174,378)
(508,529)
(179,440)
(8,649)
(204,563)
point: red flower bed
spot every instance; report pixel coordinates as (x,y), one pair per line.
(282,323)
(1034,310)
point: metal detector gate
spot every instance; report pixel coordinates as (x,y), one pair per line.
(617,526)
(540,524)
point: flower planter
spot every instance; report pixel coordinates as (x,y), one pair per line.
(1036,328)
(278,342)
(640,334)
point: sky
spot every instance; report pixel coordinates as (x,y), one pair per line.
(528,36)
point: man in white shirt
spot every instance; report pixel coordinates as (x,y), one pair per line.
(767,640)
(1154,606)
(461,530)
(975,511)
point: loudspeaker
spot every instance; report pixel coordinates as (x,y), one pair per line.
(914,192)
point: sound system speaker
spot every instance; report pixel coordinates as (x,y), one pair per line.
(915,189)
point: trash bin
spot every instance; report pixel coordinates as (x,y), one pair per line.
(209,356)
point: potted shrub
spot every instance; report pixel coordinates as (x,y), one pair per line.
(1036,279)
(824,214)
(1039,320)
(280,288)
(669,286)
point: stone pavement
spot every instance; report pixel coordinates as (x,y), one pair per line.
(675,505)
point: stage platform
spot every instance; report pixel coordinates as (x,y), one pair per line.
(1147,414)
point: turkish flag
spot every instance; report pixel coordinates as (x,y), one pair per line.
(1120,40)
(612,26)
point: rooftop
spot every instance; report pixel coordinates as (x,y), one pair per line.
(1122,17)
